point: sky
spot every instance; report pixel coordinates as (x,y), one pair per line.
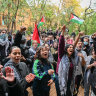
(84,3)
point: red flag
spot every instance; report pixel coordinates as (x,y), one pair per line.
(42,19)
(36,34)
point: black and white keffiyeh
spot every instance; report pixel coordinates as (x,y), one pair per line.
(63,72)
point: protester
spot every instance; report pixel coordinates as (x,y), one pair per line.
(33,48)
(50,57)
(29,42)
(81,65)
(51,61)
(86,46)
(19,36)
(68,60)
(90,73)
(10,43)
(20,70)
(3,44)
(69,63)
(54,51)
(8,85)
(44,73)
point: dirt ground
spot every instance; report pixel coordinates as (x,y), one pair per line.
(81,92)
(53,91)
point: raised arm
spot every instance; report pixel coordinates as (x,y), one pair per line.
(77,39)
(61,43)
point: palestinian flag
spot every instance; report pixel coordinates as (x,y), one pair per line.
(76,19)
(36,34)
(42,21)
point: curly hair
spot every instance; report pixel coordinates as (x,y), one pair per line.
(38,55)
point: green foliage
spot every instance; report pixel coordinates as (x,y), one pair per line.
(89,26)
(55,16)
(29,30)
(9,10)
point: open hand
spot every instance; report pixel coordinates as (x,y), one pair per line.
(29,78)
(9,74)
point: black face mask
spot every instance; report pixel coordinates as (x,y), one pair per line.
(94,39)
(9,39)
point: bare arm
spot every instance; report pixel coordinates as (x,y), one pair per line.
(77,39)
(92,65)
(61,43)
(83,62)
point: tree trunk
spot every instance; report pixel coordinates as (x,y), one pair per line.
(13,27)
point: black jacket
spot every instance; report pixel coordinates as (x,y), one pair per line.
(12,89)
(21,70)
(2,87)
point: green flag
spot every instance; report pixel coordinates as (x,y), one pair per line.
(41,22)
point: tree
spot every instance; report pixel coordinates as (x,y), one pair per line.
(9,10)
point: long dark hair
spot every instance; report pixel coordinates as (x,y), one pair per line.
(66,47)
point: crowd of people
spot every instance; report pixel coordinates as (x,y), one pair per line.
(67,60)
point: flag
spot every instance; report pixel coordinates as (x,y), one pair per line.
(76,19)
(42,21)
(36,34)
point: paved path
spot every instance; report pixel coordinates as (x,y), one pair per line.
(53,91)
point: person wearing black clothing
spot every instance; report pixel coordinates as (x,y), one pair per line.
(20,69)
(9,85)
(90,75)
(44,73)
(86,46)
(3,44)
(18,36)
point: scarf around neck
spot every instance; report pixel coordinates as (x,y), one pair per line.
(63,72)
(15,68)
